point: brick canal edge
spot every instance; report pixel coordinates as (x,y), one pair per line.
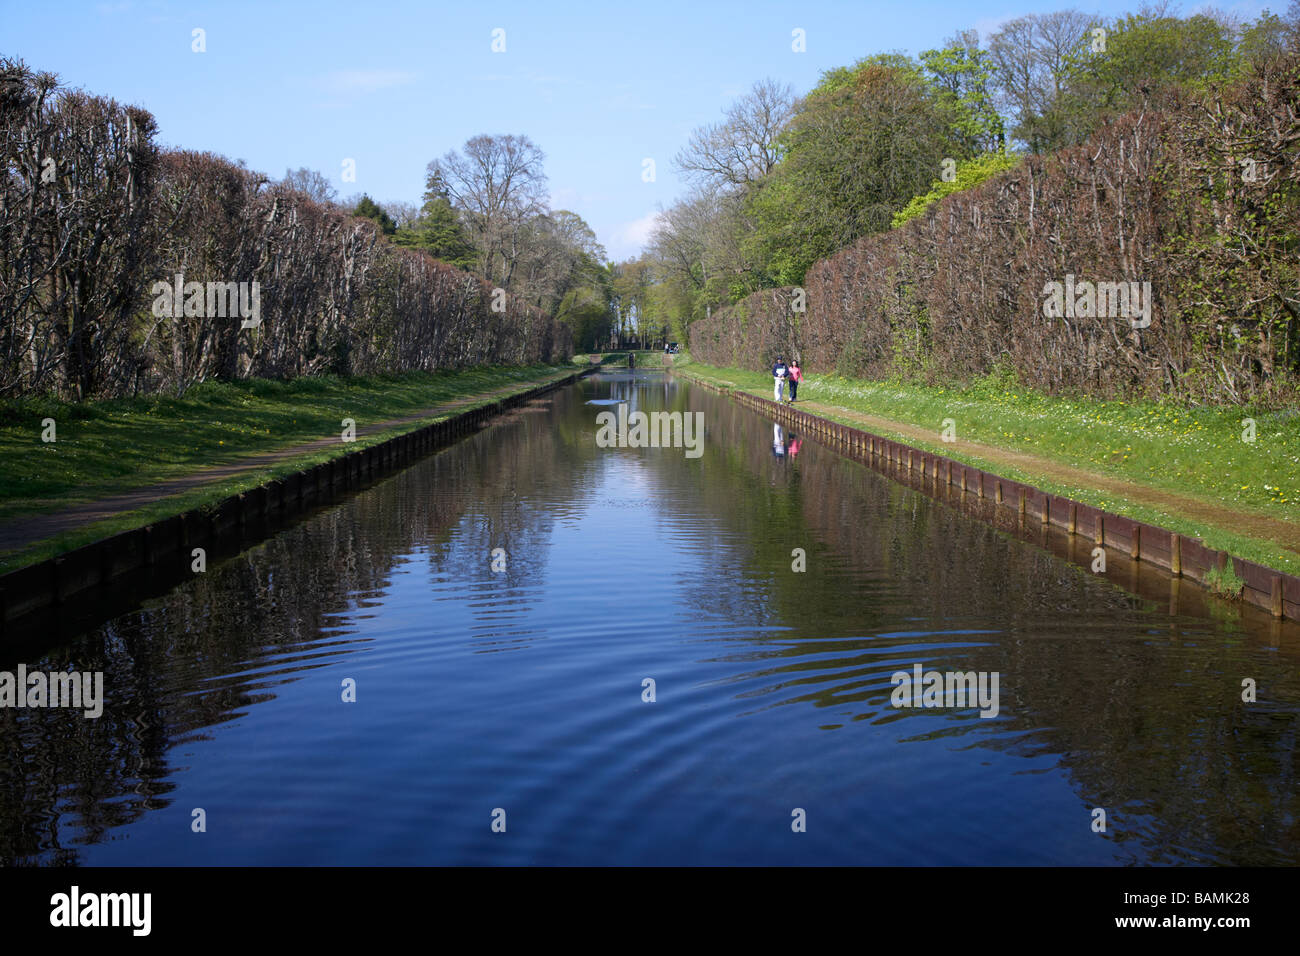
(245,517)
(1267,589)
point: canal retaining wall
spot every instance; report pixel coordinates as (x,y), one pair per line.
(1183,556)
(53,582)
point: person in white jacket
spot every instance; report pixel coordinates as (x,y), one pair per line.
(779,373)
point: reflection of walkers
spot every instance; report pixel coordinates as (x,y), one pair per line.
(779,372)
(778,441)
(795,441)
(796,376)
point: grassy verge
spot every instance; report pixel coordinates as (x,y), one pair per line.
(650,358)
(1196,452)
(645,358)
(110,447)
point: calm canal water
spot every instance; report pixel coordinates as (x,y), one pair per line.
(522,690)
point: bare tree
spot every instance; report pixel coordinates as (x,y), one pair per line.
(743,147)
(403,214)
(498,186)
(1058,35)
(556,246)
(1032,59)
(680,240)
(316,186)
(1017,67)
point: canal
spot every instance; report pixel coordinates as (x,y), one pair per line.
(562,653)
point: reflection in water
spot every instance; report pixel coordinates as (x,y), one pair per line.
(785,444)
(778,440)
(520,687)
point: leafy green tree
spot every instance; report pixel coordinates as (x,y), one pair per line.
(587,307)
(860,147)
(840,78)
(1144,53)
(631,283)
(438,230)
(962,74)
(367,208)
(1267,37)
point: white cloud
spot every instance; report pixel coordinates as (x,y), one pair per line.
(629,238)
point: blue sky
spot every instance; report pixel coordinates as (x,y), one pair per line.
(599,86)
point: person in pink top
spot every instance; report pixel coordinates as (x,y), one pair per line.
(796,376)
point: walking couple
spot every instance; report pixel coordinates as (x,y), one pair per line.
(783,373)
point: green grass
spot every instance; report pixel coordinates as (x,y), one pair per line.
(106,448)
(1224,581)
(651,358)
(645,358)
(606,358)
(1198,452)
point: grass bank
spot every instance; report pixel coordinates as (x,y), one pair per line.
(1191,470)
(111,447)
